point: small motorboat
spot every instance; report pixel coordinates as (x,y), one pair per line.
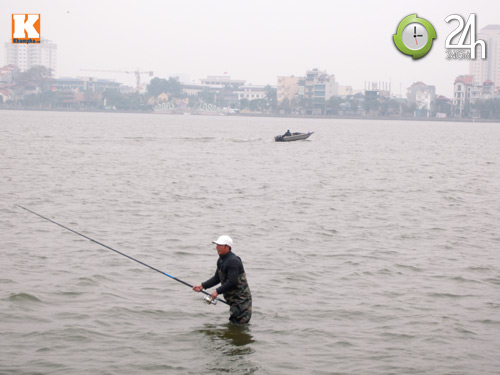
(292,137)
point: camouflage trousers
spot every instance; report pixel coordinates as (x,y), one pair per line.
(241,312)
(239,299)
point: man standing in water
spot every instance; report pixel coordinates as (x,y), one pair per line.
(231,275)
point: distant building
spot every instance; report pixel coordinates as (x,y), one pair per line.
(82,92)
(383,89)
(222,81)
(467,91)
(224,87)
(320,85)
(483,92)
(371,101)
(488,69)
(193,89)
(125,89)
(287,88)
(251,92)
(442,106)
(27,56)
(84,84)
(5,95)
(462,92)
(345,91)
(317,87)
(422,96)
(7,74)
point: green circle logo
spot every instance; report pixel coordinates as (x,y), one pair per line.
(414,36)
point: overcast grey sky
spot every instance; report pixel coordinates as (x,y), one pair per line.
(251,40)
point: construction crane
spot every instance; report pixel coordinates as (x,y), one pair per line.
(137,73)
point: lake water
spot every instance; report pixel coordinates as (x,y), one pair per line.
(371,248)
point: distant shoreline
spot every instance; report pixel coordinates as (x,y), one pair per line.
(269,115)
(392,118)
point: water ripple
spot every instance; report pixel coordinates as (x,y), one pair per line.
(370,249)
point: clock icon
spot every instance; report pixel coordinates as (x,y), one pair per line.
(414,36)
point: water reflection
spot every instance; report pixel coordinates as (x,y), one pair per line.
(236,335)
(230,348)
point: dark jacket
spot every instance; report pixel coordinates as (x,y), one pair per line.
(231,266)
(234,286)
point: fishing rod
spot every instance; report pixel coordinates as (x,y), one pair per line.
(208,297)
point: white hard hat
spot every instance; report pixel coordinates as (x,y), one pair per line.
(224,240)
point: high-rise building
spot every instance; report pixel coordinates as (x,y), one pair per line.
(26,56)
(488,69)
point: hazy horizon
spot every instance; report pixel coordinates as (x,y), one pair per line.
(255,41)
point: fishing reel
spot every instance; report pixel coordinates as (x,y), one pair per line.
(210,301)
